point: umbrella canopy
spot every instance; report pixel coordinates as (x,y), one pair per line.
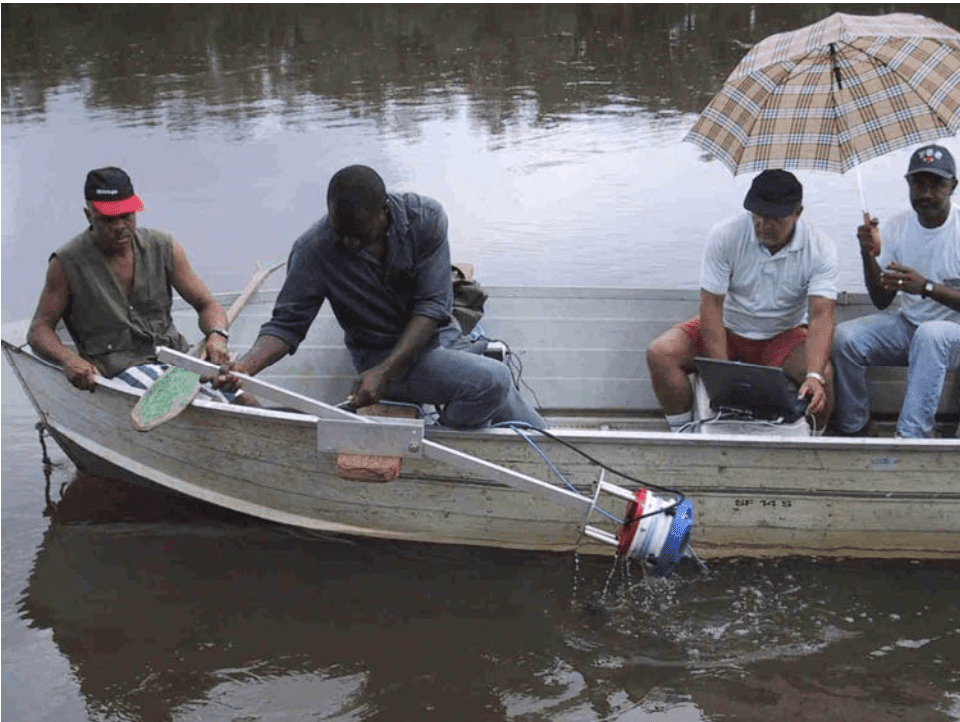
(835,94)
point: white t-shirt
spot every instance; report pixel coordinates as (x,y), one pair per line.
(934,253)
(766,294)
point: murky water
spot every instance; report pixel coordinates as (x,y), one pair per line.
(552,135)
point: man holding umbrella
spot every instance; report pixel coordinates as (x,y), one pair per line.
(920,262)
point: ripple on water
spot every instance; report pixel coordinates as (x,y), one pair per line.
(738,612)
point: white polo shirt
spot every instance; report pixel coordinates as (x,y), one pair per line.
(767,294)
(934,253)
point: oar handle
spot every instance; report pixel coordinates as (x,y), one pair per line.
(238,305)
(255,282)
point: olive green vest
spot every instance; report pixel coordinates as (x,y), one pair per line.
(110,330)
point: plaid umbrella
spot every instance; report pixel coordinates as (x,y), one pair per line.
(835,94)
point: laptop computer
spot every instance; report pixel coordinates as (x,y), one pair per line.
(763,392)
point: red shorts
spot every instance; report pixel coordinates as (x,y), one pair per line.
(770,352)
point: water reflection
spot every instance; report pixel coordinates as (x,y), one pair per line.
(167,607)
(185,65)
(170,607)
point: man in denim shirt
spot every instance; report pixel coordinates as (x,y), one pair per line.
(383,262)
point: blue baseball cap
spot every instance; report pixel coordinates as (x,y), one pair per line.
(933,159)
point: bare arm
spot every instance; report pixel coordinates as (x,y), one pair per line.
(817,349)
(43,338)
(711,319)
(949,297)
(819,333)
(209,312)
(903,278)
(371,385)
(266,351)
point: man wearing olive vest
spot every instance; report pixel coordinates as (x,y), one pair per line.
(111,285)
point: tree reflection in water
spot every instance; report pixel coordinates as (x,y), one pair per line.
(184,64)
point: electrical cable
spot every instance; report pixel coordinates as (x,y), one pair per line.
(516,425)
(552,466)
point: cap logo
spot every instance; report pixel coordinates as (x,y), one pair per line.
(929,155)
(106,191)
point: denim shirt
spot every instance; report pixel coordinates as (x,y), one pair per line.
(372,301)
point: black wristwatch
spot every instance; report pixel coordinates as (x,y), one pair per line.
(928,287)
(222,332)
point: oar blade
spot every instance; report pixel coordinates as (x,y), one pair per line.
(167,396)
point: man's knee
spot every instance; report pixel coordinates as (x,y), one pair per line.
(937,338)
(500,379)
(485,380)
(478,395)
(668,350)
(656,353)
(843,337)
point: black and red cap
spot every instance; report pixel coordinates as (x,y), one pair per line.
(110,190)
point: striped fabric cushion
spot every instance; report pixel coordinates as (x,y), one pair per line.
(143,376)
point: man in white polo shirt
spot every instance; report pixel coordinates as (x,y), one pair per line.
(920,262)
(768,286)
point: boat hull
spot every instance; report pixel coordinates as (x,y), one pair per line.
(770,496)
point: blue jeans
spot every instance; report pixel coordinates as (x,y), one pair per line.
(888,339)
(471,390)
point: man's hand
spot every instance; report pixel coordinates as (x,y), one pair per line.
(369,388)
(81,373)
(818,394)
(371,385)
(902,278)
(216,350)
(869,236)
(225,380)
(266,351)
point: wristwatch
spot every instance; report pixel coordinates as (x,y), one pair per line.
(928,287)
(221,331)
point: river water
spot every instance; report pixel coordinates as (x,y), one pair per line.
(553,137)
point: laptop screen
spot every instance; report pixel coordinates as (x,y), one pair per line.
(764,392)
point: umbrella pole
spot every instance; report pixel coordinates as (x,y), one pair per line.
(863,202)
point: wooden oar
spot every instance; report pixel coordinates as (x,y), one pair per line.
(176,388)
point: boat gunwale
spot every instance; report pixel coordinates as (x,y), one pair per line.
(595,436)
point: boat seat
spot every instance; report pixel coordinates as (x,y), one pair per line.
(582,349)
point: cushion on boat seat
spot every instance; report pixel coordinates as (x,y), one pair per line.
(367,467)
